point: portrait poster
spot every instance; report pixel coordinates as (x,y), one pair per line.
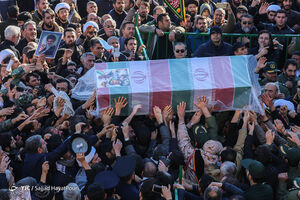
(48,44)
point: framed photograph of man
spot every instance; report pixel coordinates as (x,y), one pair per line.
(48,44)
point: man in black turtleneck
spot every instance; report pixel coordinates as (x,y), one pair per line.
(69,39)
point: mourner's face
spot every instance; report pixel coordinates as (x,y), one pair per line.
(192,9)
(216,37)
(271,76)
(92,8)
(290,72)
(128,31)
(42,5)
(119,5)
(143,10)
(63,14)
(201,25)
(132,45)
(49,20)
(280,19)
(271,91)
(30,32)
(109,28)
(98,50)
(92,17)
(287,4)
(247,24)
(180,51)
(115,44)
(70,37)
(271,16)
(264,40)
(218,17)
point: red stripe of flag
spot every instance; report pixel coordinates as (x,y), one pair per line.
(102,93)
(161,84)
(224,82)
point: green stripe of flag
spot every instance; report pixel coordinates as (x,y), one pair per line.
(181,82)
(242,82)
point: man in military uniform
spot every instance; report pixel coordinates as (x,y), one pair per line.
(124,168)
(258,190)
(270,73)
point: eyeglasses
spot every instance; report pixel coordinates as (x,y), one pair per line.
(247,23)
(180,50)
(61,89)
(93,32)
(298,86)
(112,26)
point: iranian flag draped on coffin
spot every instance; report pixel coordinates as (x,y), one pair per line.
(229,82)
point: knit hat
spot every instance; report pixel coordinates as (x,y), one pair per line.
(203,7)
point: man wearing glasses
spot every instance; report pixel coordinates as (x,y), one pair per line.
(90,30)
(180,50)
(246,27)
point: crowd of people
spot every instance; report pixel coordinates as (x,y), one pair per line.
(171,153)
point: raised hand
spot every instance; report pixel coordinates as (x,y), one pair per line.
(270,136)
(263,8)
(136,108)
(250,128)
(202,102)
(106,116)
(45,167)
(157,114)
(261,63)
(120,104)
(167,113)
(181,110)
(6,111)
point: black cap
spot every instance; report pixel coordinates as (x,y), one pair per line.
(124,166)
(255,168)
(107,179)
(215,29)
(271,67)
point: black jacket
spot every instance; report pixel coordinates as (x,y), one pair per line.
(208,49)
(7,44)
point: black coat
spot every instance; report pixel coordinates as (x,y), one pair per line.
(33,161)
(7,44)
(208,49)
